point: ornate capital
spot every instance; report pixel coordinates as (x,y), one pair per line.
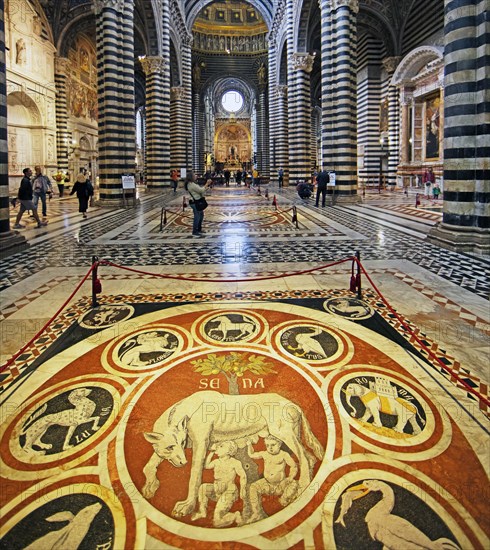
(61,65)
(178,93)
(116,5)
(353,5)
(391,63)
(281,91)
(301,61)
(155,64)
(187,40)
(406,96)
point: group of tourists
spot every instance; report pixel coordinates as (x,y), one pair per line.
(37,187)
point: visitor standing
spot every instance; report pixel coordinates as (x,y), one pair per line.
(429,179)
(25,198)
(41,187)
(436,191)
(227,175)
(59,178)
(196,192)
(174,176)
(322,180)
(84,190)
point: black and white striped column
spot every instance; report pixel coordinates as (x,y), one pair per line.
(199,145)
(299,109)
(198,149)
(60,72)
(390,64)
(186,61)
(282,127)
(328,161)
(368,127)
(466,214)
(344,83)
(155,142)
(115,83)
(178,149)
(315,129)
(165,120)
(273,165)
(262,135)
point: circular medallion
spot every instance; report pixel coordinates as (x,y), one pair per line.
(383,406)
(205,452)
(62,424)
(362,518)
(73,521)
(349,308)
(105,316)
(80,515)
(145,350)
(322,347)
(390,414)
(230,327)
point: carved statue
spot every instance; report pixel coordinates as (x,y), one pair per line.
(196,73)
(261,74)
(20,52)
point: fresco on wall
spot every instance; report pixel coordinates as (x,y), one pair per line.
(432,125)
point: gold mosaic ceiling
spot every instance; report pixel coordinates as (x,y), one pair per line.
(234,17)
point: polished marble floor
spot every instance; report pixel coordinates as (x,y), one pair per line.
(231,391)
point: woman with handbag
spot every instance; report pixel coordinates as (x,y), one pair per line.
(84,190)
(197,202)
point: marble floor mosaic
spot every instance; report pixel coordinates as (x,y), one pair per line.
(204,404)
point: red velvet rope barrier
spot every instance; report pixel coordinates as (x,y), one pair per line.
(201,280)
(32,340)
(466,386)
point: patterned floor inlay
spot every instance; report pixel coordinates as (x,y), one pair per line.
(441,360)
(117,236)
(299,419)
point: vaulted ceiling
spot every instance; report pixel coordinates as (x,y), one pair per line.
(382,20)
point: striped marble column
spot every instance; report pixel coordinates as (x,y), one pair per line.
(186,60)
(282,127)
(156,141)
(327,85)
(165,120)
(178,145)
(262,134)
(466,213)
(273,161)
(198,149)
(299,109)
(390,64)
(313,142)
(198,123)
(344,83)
(115,83)
(60,72)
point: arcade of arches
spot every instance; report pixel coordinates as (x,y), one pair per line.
(375,91)
(247,385)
